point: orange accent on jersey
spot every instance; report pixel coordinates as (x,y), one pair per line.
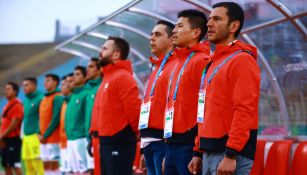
(45,117)
(63,138)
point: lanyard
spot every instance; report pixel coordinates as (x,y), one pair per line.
(158,73)
(170,83)
(179,76)
(203,75)
(218,67)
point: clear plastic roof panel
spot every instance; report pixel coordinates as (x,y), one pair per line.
(168,9)
(304,20)
(140,67)
(142,70)
(295,6)
(282,44)
(138,42)
(141,22)
(270,122)
(84,50)
(285,50)
(255,11)
(92,40)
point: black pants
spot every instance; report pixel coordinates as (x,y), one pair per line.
(11,153)
(117,159)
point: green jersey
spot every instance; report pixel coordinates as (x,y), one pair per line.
(93,85)
(75,113)
(31,112)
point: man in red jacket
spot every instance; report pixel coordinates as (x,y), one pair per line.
(10,143)
(180,127)
(154,102)
(116,109)
(228,127)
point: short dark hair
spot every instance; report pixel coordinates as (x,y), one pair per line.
(64,77)
(54,77)
(15,86)
(234,13)
(96,60)
(121,45)
(31,79)
(70,75)
(169,27)
(82,69)
(197,19)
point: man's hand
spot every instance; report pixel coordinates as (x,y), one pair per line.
(1,137)
(195,165)
(41,139)
(89,147)
(227,166)
(2,144)
(163,165)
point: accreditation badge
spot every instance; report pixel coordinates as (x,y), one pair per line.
(144,115)
(169,122)
(201,106)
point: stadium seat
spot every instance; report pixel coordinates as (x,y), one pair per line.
(299,162)
(258,166)
(278,160)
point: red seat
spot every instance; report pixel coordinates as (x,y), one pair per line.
(299,162)
(278,158)
(258,166)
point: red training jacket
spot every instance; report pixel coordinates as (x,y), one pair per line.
(185,106)
(158,101)
(117,104)
(231,112)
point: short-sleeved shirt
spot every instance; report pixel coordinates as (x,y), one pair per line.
(13,109)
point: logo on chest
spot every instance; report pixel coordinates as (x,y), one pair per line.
(106,85)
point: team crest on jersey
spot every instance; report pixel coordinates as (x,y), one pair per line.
(77,101)
(106,85)
(32,105)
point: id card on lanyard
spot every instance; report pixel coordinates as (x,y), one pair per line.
(202,91)
(169,121)
(144,115)
(202,96)
(169,113)
(201,106)
(145,108)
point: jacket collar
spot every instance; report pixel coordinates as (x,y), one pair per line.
(158,61)
(232,47)
(200,47)
(52,92)
(32,95)
(119,65)
(94,82)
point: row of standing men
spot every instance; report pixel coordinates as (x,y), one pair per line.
(52,128)
(199,111)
